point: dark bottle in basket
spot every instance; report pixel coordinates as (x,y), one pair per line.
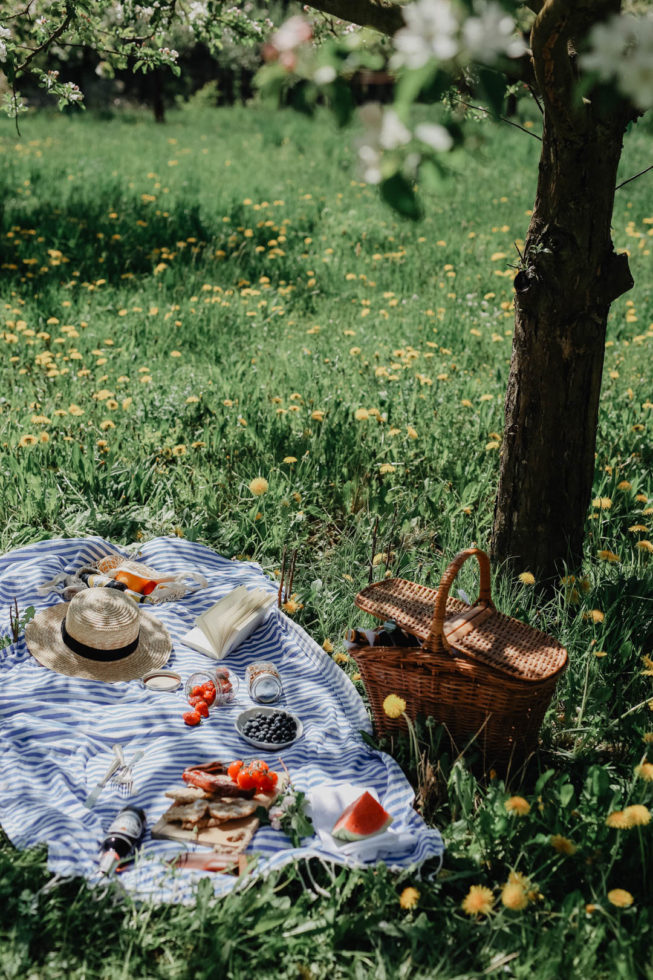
(124,834)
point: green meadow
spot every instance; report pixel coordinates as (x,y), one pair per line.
(192,307)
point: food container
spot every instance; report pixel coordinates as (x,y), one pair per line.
(263,682)
(224,681)
(242,720)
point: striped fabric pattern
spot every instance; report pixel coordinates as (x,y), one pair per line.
(57,732)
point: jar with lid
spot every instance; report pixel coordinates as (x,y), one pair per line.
(263,682)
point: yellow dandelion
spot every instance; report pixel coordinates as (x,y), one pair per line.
(645,771)
(126,403)
(27,440)
(318,416)
(179,450)
(198,444)
(513,896)
(518,805)
(259,486)
(409,898)
(620,898)
(44,437)
(356,676)
(602,503)
(610,556)
(75,410)
(594,615)
(624,485)
(327,646)
(387,468)
(493,444)
(103,445)
(291,606)
(466,404)
(619,820)
(641,498)
(646,546)
(478,901)
(635,528)
(40,420)
(111,404)
(192,400)
(175,353)
(600,653)
(361,414)
(527,578)
(563,845)
(107,424)
(590,907)
(411,432)
(341,658)
(638,815)
(394,706)
(289,459)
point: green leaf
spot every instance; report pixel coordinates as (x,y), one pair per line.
(399,194)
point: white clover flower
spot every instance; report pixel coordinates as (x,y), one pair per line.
(490,34)
(435,136)
(431,31)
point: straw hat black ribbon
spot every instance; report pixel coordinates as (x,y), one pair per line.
(93,653)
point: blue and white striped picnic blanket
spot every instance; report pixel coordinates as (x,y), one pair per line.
(56,732)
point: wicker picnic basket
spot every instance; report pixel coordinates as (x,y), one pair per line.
(487,677)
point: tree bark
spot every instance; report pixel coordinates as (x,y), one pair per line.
(569,277)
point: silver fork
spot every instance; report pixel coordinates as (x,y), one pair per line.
(126,776)
(115,779)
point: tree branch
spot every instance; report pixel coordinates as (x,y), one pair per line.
(50,40)
(381,15)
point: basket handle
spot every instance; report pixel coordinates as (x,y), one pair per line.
(436,641)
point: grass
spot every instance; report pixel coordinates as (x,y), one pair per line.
(192,306)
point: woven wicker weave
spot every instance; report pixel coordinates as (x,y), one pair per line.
(481,673)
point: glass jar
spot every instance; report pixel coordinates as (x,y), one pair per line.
(263,682)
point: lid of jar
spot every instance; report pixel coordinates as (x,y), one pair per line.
(161,680)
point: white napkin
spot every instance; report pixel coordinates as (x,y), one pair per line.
(327,802)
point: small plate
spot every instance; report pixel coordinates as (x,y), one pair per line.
(261,709)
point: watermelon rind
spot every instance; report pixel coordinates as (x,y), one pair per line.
(363,818)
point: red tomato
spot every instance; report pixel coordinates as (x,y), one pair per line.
(264,783)
(196,692)
(194,700)
(245,780)
(208,693)
(234,769)
(192,718)
(202,709)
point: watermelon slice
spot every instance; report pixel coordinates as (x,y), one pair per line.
(363,818)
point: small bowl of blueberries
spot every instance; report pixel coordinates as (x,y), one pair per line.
(269,728)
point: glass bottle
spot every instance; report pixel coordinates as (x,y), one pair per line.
(123,836)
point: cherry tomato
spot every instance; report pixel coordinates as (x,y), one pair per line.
(196,692)
(246,780)
(194,700)
(208,693)
(192,718)
(234,769)
(265,783)
(202,709)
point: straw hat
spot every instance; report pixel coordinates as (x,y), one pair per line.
(100,635)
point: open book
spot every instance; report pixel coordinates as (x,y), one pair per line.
(230,621)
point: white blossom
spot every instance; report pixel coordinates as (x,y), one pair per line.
(4,34)
(435,136)
(384,130)
(290,35)
(324,75)
(431,31)
(490,34)
(621,49)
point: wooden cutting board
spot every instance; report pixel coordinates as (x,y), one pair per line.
(231,837)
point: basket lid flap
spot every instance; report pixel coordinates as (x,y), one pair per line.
(479,632)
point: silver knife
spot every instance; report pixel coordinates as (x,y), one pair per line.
(92,798)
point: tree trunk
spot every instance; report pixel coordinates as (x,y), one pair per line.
(569,277)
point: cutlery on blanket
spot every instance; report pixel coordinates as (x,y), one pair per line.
(92,798)
(115,779)
(125,779)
